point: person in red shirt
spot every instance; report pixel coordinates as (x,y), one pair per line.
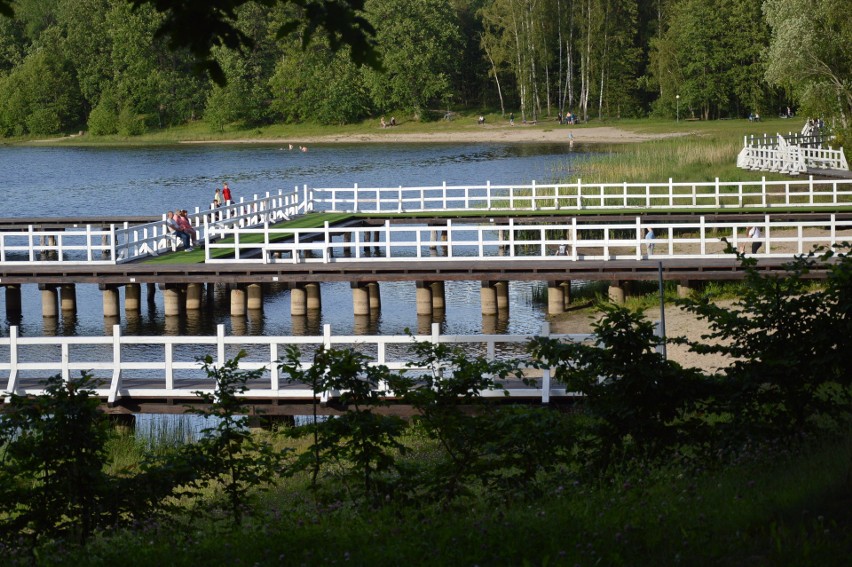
(226,193)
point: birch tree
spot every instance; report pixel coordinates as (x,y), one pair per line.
(809,52)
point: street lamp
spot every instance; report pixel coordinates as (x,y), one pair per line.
(677,108)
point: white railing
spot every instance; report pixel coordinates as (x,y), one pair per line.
(792,138)
(791,155)
(116,245)
(577,196)
(576,239)
(168,367)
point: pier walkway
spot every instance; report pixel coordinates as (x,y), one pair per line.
(428,235)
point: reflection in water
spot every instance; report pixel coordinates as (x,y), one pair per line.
(109,325)
(50,326)
(238,325)
(171,325)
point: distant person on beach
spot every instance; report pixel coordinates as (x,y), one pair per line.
(226,193)
(217,198)
(511,119)
(383,123)
(481,119)
(393,121)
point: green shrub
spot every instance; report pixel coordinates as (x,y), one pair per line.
(52,479)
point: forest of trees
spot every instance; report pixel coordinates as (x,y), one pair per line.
(100,64)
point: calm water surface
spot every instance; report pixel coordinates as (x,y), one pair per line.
(42,182)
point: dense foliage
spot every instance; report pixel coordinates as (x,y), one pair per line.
(787,382)
(127,66)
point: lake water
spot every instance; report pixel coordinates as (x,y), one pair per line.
(44,182)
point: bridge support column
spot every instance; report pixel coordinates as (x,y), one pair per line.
(255,297)
(13,299)
(439,295)
(502,290)
(238,301)
(132,298)
(360,299)
(112,308)
(488,298)
(555,298)
(314,296)
(68,298)
(374,293)
(298,299)
(49,301)
(171,300)
(566,286)
(423,298)
(616,292)
(684,288)
(193,296)
(150,292)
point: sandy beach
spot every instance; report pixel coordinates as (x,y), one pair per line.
(488,133)
(679,323)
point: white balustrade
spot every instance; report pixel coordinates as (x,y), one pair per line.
(116,245)
(168,366)
(591,196)
(575,239)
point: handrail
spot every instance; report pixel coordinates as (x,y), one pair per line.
(589,196)
(575,239)
(116,245)
(174,376)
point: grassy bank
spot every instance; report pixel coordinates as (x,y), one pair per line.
(707,151)
(778,506)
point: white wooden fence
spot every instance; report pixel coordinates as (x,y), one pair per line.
(792,155)
(168,367)
(716,194)
(116,245)
(575,239)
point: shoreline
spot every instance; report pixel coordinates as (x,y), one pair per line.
(520,134)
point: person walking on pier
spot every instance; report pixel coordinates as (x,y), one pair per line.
(649,240)
(217,198)
(226,193)
(174,228)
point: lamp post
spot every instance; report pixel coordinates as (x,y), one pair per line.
(677,108)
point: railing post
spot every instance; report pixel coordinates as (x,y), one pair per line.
(116,364)
(31,243)
(579,193)
(388,249)
(444,196)
(220,345)
(534,197)
(206,240)
(65,362)
(574,255)
(488,195)
(703,232)
(546,374)
(12,384)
